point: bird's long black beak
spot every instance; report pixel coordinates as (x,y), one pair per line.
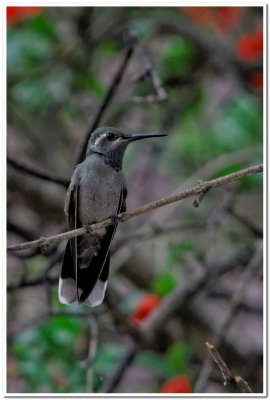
(139,136)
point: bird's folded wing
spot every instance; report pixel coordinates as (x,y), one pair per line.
(86,261)
(93,263)
(67,289)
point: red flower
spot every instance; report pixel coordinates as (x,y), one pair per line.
(16,14)
(145,306)
(250,46)
(177,384)
(256,80)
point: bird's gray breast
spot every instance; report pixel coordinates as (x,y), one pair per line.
(100,189)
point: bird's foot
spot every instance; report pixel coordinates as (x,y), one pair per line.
(115,219)
(88,228)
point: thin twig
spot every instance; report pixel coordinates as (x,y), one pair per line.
(107,98)
(248,223)
(195,190)
(116,375)
(211,48)
(173,302)
(229,379)
(235,305)
(150,73)
(36,172)
(20,230)
(208,170)
(201,195)
(147,333)
(31,282)
(153,232)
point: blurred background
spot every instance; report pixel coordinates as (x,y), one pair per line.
(196,74)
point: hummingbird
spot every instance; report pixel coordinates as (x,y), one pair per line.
(97,191)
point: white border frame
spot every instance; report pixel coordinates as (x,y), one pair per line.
(129,3)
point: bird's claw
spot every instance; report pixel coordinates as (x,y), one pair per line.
(115,219)
(88,228)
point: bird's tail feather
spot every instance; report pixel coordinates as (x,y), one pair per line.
(67,288)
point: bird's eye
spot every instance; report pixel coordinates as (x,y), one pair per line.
(110,136)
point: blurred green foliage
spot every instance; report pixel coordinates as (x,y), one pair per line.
(176,251)
(108,356)
(164,283)
(154,361)
(35,84)
(178,357)
(48,355)
(176,58)
(239,124)
(175,360)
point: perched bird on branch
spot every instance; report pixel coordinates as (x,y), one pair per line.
(97,191)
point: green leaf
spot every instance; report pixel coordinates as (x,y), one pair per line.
(164,283)
(178,357)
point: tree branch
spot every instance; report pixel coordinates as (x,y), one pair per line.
(195,190)
(159,93)
(37,173)
(107,98)
(229,379)
(235,304)
(116,375)
(146,334)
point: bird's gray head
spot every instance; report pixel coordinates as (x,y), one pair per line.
(106,140)
(112,143)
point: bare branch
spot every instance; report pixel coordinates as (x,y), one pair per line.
(107,98)
(147,333)
(113,380)
(195,190)
(214,50)
(229,379)
(36,172)
(159,94)
(201,195)
(173,302)
(256,229)
(235,305)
